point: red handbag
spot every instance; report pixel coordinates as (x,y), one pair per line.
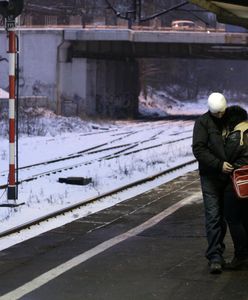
(240,182)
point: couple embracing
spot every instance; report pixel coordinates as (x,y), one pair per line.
(220,144)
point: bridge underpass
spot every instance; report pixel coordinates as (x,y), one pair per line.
(102,68)
(96,72)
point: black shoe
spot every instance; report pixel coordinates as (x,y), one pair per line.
(236,263)
(215,267)
(222,262)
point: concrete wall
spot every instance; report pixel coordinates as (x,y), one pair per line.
(71,97)
(117,88)
(72,85)
(107,88)
(38,60)
(4,67)
(38,64)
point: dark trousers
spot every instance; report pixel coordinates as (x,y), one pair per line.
(236,214)
(213,189)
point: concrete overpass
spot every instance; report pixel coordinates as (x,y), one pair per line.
(108,59)
(96,71)
(116,43)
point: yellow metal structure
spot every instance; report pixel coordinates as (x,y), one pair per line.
(233,12)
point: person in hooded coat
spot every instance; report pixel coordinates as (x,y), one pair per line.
(208,148)
(235,209)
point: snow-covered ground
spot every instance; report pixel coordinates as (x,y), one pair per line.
(161,104)
(63,137)
(46,194)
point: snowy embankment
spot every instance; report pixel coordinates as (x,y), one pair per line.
(46,194)
(161,104)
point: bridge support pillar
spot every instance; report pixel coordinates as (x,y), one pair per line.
(97,87)
(117,88)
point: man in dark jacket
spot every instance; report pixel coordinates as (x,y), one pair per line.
(208,148)
(236,210)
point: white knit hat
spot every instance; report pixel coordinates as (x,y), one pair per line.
(217,103)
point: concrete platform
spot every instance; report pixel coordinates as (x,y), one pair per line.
(117,258)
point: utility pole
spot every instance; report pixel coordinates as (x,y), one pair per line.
(131,15)
(138,10)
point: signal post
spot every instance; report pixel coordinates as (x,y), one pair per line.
(10,10)
(10,26)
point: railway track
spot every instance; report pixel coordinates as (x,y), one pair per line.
(71,208)
(122,149)
(95,149)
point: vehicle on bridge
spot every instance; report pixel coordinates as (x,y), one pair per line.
(183,25)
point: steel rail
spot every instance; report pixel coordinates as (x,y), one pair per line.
(106,157)
(70,208)
(88,151)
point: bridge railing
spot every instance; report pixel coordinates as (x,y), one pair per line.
(100,23)
(116,27)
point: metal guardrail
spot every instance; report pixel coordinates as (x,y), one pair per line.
(116,27)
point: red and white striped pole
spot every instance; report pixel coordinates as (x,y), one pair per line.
(12,58)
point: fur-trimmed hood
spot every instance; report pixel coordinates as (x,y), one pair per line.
(242,127)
